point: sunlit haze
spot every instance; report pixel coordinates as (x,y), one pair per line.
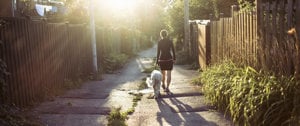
(120,5)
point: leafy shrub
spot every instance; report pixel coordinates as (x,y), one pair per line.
(251,97)
(114,61)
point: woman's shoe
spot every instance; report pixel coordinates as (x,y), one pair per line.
(167,90)
(163,86)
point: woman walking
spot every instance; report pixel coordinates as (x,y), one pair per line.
(165,59)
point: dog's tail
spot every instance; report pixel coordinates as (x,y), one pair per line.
(149,82)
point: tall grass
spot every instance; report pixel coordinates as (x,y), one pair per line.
(251,97)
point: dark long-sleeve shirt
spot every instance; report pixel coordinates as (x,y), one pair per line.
(164,49)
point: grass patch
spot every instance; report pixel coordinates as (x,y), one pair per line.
(196,81)
(251,97)
(14,116)
(137,97)
(143,84)
(118,118)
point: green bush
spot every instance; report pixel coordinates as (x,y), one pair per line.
(114,61)
(251,97)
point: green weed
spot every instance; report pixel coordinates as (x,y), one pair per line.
(143,84)
(117,118)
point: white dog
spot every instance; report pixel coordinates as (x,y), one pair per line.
(155,82)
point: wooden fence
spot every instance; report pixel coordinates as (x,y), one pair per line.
(199,47)
(234,38)
(277,49)
(39,56)
(258,38)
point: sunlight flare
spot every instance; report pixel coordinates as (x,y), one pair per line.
(121,4)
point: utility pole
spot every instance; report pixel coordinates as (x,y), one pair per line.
(13,7)
(186,25)
(93,38)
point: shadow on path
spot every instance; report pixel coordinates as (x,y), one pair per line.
(181,118)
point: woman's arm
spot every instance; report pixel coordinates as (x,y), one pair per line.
(173,50)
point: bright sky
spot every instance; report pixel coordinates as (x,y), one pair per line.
(121,4)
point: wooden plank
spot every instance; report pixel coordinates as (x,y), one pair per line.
(3,51)
(289,8)
(297,25)
(202,46)
(243,49)
(43,81)
(251,49)
(282,42)
(221,46)
(267,35)
(14,65)
(22,62)
(241,41)
(39,59)
(231,37)
(235,29)
(260,30)
(230,40)
(47,82)
(7,58)
(255,39)
(17,57)
(247,38)
(228,33)
(273,38)
(217,40)
(30,60)
(224,43)
(25,62)
(213,41)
